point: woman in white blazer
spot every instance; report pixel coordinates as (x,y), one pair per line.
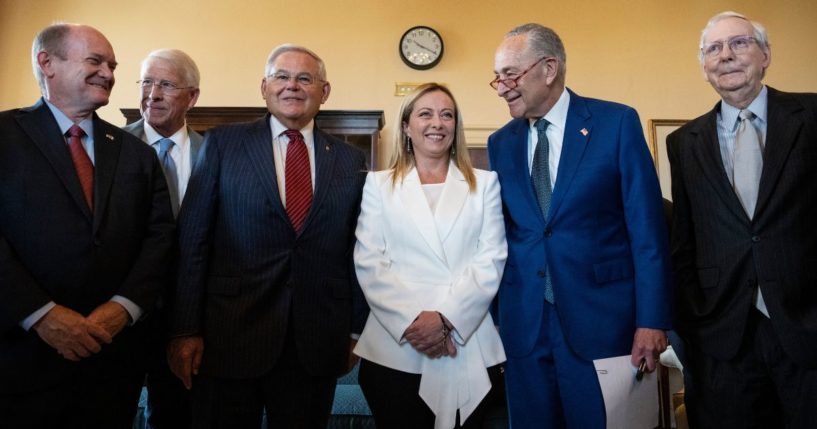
(429,257)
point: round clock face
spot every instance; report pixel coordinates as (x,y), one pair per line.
(421,48)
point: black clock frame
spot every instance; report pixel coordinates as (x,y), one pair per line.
(420,66)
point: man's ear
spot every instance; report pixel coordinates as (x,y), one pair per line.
(45,61)
(551,70)
(327,88)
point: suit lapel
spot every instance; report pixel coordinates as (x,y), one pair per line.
(40,125)
(577,133)
(451,201)
(707,151)
(195,144)
(107,146)
(324,171)
(414,199)
(258,144)
(782,129)
(518,150)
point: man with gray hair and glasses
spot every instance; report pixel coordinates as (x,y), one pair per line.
(267,297)
(168,88)
(588,273)
(744,190)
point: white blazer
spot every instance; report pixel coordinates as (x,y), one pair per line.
(409,259)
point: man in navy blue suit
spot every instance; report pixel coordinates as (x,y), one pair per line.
(587,275)
(266,294)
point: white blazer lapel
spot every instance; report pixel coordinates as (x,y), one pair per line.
(417,208)
(451,201)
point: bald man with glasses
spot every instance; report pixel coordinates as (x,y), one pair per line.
(744,191)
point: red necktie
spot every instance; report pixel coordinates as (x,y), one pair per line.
(298,179)
(85,170)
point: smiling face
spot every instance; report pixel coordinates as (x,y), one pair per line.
(81,82)
(165,110)
(292,103)
(736,77)
(538,89)
(432,126)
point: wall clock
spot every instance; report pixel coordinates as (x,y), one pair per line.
(421,47)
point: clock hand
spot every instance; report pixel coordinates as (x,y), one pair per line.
(429,50)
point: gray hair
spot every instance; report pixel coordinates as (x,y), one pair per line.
(760,31)
(543,41)
(180,61)
(50,39)
(287,47)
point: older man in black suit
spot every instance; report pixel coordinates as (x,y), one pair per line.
(85,230)
(744,188)
(264,305)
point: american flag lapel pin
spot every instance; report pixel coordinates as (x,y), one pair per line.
(109,137)
(584,131)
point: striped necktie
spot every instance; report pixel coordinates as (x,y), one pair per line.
(297,179)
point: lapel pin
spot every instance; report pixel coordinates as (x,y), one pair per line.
(584,131)
(109,137)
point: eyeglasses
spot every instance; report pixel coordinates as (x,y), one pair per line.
(304,79)
(166,86)
(737,44)
(513,82)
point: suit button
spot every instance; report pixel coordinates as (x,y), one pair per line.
(755,239)
(540,273)
(548,232)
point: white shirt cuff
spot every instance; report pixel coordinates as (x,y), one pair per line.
(35,317)
(132,309)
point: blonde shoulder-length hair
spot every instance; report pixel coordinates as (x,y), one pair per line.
(402,161)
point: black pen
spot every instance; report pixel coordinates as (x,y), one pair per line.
(642,367)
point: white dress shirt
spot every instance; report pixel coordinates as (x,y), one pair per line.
(180,152)
(557,116)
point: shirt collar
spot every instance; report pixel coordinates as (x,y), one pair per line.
(557,115)
(758,106)
(179,137)
(278,128)
(65,123)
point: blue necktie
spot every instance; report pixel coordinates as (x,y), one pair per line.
(169,167)
(540,175)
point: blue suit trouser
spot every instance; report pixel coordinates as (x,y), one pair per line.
(552,387)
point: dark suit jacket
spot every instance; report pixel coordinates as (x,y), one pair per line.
(720,256)
(246,278)
(138,129)
(604,240)
(52,248)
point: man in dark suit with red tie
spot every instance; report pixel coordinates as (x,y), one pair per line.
(85,229)
(744,247)
(266,294)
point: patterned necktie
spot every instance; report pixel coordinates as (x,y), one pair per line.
(540,175)
(748,167)
(748,162)
(172,176)
(297,179)
(82,163)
